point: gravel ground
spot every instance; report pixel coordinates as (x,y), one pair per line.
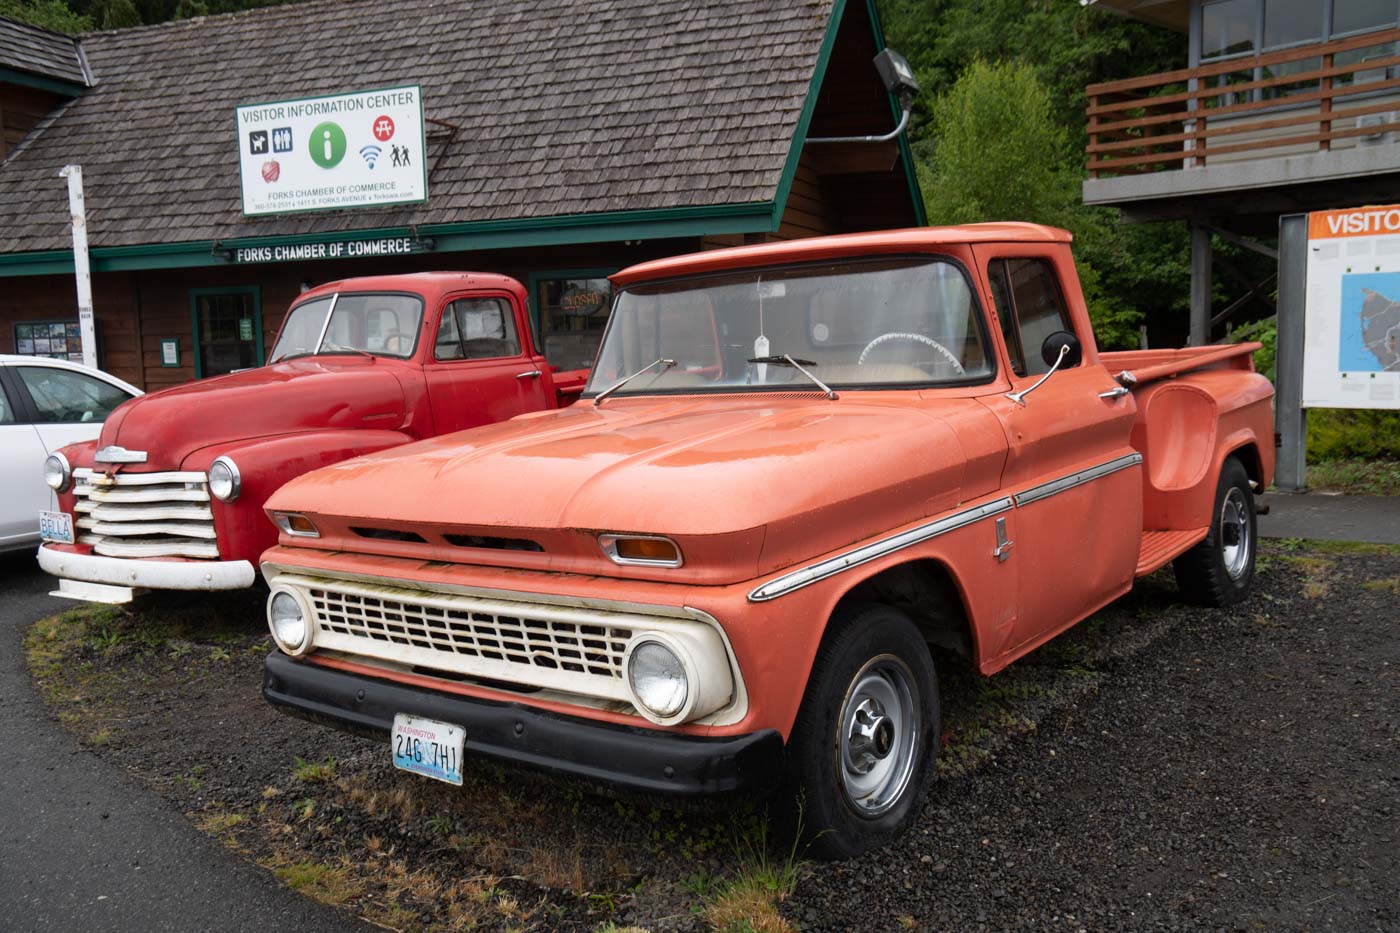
(1157,767)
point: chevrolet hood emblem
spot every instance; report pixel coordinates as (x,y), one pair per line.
(115,454)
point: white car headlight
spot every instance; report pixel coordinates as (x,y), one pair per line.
(286,616)
(224,480)
(57,473)
(658,679)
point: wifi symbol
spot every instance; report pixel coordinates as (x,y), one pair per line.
(370,154)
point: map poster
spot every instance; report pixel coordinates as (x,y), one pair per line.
(1351,348)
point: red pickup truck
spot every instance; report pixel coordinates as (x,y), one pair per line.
(171,495)
(797,468)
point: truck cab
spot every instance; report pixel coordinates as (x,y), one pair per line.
(170,495)
(797,468)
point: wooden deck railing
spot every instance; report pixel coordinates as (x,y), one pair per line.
(1179,119)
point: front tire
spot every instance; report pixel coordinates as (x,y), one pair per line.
(862,750)
(1218,571)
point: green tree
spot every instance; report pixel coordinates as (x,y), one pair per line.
(50,14)
(999,154)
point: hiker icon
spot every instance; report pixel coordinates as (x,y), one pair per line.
(399,156)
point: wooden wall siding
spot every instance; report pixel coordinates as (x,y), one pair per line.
(852,100)
(20,109)
(809,210)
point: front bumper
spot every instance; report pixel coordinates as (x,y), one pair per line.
(645,760)
(146,574)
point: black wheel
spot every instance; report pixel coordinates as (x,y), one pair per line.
(862,750)
(1218,571)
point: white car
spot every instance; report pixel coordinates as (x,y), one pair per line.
(45,404)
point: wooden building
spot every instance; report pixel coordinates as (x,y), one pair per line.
(561,147)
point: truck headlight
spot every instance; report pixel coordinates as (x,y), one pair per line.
(658,679)
(58,473)
(287,618)
(224,480)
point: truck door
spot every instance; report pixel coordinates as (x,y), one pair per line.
(479,370)
(1074,477)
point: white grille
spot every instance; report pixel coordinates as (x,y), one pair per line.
(145,514)
(571,649)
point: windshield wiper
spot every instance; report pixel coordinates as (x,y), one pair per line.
(337,347)
(664,363)
(782,359)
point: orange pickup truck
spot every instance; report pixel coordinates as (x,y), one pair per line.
(796,469)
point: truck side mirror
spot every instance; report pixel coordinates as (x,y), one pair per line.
(1050,349)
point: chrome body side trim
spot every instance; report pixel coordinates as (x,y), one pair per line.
(1064,483)
(785,584)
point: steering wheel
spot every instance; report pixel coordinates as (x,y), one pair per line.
(917,338)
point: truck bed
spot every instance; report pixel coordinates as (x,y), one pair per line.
(1150,365)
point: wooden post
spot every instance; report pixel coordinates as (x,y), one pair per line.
(1325,106)
(1290,418)
(1200,284)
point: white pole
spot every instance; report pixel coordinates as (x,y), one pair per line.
(81,270)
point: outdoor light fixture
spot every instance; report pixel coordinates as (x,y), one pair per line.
(898,76)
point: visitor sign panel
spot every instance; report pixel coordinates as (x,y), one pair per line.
(1351,349)
(364,149)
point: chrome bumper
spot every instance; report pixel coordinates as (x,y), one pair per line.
(118,579)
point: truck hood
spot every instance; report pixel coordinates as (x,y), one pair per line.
(299,395)
(814,474)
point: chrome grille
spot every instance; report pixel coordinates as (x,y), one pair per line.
(145,514)
(476,633)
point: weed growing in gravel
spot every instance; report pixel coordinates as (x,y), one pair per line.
(1385,585)
(219,823)
(329,884)
(314,772)
(748,901)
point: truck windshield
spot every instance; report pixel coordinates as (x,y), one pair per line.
(378,324)
(859,324)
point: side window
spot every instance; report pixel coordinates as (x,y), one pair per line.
(7,413)
(1030,307)
(66,397)
(477,329)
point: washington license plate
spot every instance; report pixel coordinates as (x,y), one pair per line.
(428,747)
(56,526)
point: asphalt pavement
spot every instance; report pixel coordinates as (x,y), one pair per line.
(1323,517)
(83,847)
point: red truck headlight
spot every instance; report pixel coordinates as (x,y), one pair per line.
(58,473)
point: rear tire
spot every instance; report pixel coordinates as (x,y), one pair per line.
(1219,570)
(862,750)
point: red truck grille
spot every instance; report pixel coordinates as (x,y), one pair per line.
(145,514)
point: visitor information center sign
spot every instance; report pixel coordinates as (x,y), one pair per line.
(325,153)
(1351,349)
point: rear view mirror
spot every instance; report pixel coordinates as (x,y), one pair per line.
(1055,343)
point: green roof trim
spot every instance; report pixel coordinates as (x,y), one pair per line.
(484,235)
(52,85)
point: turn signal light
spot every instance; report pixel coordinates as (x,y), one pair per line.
(642,550)
(294,523)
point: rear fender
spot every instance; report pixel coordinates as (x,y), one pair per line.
(264,465)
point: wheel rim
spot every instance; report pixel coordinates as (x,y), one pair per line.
(879,735)
(1235,541)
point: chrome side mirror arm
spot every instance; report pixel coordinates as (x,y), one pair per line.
(1020,397)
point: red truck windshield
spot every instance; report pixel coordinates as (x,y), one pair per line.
(384,325)
(870,322)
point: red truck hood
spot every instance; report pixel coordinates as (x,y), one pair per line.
(299,395)
(816,474)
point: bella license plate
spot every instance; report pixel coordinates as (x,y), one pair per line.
(428,747)
(56,526)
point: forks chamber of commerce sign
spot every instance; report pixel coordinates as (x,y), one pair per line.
(364,149)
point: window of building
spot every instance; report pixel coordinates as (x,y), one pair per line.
(60,340)
(1362,15)
(477,329)
(1030,308)
(66,397)
(1290,22)
(572,309)
(227,329)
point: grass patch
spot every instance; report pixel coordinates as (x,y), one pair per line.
(314,772)
(1387,585)
(329,884)
(748,901)
(220,823)
(1358,477)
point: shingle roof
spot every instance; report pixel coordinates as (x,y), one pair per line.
(38,51)
(563,108)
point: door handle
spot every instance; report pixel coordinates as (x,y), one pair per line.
(1115,392)
(532,374)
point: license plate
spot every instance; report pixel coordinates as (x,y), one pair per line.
(56,526)
(428,747)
